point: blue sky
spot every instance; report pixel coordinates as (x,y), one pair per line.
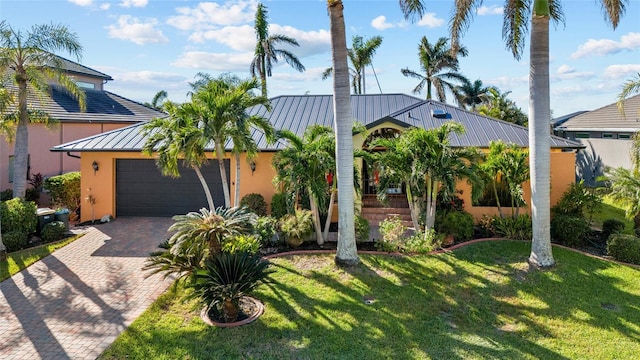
(152,45)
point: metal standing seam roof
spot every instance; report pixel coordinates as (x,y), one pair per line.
(296,113)
(607,118)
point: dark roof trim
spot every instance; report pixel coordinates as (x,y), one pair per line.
(387,119)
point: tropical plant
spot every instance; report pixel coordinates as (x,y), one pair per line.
(266,230)
(53,231)
(347,254)
(255,202)
(496,105)
(360,54)
(279,205)
(158,100)
(631,86)
(296,226)
(426,163)
(515,26)
(266,53)
(225,280)
(29,59)
(209,227)
(506,164)
(439,69)
(612,226)
(392,230)
(518,228)
(458,224)
(362,228)
(472,94)
(241,243)
(623,188)
(18,215)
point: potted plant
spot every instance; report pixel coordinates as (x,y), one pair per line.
(297,226)
(223,286)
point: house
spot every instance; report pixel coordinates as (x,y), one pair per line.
(105,111)
(606,134)
(128,182)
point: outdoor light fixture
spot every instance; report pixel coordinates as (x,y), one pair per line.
(95,167)
(253,167)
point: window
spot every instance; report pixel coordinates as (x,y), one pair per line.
(582,135)
(624,136)
(85,85)
(607,136)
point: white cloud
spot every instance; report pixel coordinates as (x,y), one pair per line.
(620,71)
(490,10)
(214,61)
(565,69)
(430,20)
(136,31)
(105,6)
(209,15)
(241,38)
(380,23)
(311,42)
(630,41)
(81,2)
(134,3)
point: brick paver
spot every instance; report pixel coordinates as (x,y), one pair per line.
(74,303)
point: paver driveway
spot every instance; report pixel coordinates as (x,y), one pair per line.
(74,303)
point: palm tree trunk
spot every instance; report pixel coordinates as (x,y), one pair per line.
(540,139)
(346,254)
(432,196)
(316,217)
(413,204)
(21,146)
(363,88)
(3,248)
(428,89)
(205,186)
(327,222)
(236,197)
(223,173)
(263,72)
(495,192)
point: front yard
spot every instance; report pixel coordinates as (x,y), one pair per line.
(480,301)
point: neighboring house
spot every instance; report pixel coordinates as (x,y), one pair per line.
(105,112)
(606,134)
(128,183)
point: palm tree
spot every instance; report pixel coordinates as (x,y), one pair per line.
(624,188)
(266,53)
(303,166)
(220,104)
(472,94)
(29,57)
(360,54)
(440,67)
(177,137)
(515,26)
(632,86)
(158,99)
(497,105)
(346,254)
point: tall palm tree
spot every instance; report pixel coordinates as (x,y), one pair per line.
(346,254)
(631,86)
(220,104)
(177,137)
(497,105)
(360,54)
(33,65)
(266,53)
(472,93)
(158,99)
(439,65)
(515,26)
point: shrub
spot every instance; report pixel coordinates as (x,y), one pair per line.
(610,226)
(15,240)
(279,205)
(6,194)
(65,190)
(576,200)
(297,226)
(266,230)
(419,243)
(516,229)
(569,229)
(32,194)
(255,202)
(392,230)
(459,224)
(53,231)
(624,247)
(362,228)
(18,215)
(487,226)
(241,243)
(225,279)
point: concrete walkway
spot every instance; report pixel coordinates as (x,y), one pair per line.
(74,303)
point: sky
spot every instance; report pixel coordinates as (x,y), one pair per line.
(152,45)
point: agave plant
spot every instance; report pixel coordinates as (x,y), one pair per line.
(225,279)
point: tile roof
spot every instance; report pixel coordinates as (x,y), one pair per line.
(296,113)
(74,67)
(607,118)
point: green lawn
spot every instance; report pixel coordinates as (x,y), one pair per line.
(18,260)
(481,301)
(609,209)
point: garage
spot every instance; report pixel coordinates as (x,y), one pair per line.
(142,190)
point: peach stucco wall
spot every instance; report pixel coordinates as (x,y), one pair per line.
(41,139)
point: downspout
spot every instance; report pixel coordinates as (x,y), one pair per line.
(71,155)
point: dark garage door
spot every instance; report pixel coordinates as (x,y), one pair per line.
(141,190)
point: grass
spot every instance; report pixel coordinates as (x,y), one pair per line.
(610,209)
(480,301)
(19,260)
